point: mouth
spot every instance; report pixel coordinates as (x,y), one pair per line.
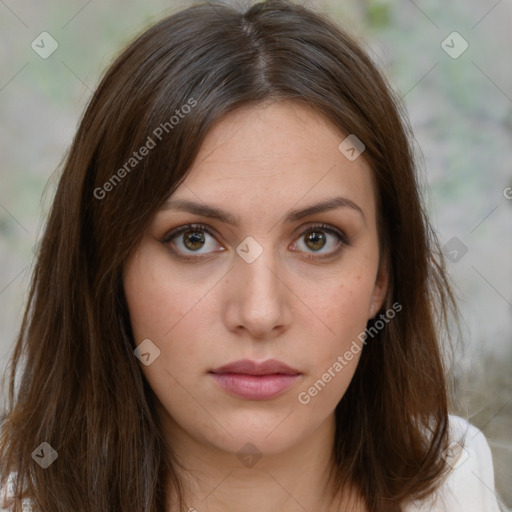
(251,380)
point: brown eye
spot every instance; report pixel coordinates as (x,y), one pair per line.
(321,239)
(193,240)
(315,240)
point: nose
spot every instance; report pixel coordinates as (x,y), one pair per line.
(257,297)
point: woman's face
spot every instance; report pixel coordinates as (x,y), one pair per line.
(264,283)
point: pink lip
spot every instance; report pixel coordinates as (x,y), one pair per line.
(255,381)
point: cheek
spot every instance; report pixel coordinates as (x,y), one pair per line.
(335,356)
(157,302)
(345,306)
(168,311)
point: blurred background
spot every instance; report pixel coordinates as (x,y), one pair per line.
(449,61)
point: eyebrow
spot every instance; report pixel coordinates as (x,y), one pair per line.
(217,213)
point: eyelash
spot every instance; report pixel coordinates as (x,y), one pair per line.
(340,235)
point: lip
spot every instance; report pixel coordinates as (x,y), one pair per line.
(248,367)
(255,381)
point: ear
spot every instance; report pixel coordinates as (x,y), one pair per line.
(380,288)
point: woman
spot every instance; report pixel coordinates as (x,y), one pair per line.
(238,298)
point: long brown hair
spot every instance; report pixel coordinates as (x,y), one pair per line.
(74,381)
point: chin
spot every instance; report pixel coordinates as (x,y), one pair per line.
(266,434)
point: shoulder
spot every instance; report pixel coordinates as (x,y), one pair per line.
(7,493)
(7,501)
(469,486)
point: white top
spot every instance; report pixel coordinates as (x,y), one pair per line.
(469,486)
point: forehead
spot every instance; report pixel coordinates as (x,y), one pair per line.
(278,155)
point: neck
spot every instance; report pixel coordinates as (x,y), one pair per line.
(293,480)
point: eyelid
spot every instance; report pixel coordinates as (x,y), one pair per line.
(182,229)
(320,226)
(342,238)
(188,227)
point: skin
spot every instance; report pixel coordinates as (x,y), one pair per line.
(290,304)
